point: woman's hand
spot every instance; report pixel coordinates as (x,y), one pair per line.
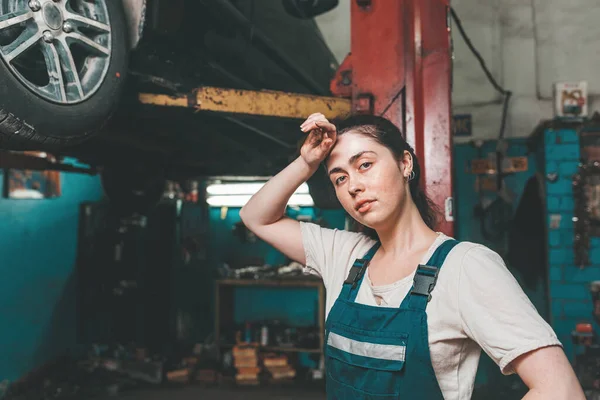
(320,140)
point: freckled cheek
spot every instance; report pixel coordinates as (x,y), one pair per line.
(387,187)
(378,183)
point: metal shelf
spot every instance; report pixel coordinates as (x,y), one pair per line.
(224,301)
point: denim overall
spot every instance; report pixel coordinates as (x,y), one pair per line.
(382,352)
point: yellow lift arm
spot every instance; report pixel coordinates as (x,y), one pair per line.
(253,102)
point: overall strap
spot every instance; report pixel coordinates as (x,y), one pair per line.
(426,276)
(355,276)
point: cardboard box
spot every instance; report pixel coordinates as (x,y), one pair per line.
(570,100)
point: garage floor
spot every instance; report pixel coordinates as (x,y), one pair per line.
(249,393)
(271,393)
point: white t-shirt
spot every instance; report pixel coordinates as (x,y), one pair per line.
(476,304)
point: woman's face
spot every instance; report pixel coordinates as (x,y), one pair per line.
(369,182)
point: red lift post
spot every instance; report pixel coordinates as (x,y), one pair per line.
(400,67)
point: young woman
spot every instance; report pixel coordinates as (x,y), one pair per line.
(408,309)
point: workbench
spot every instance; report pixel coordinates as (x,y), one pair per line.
(225,306)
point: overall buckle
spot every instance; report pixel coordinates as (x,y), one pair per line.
(425,280)
(357,271)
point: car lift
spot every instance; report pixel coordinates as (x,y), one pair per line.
(399,67)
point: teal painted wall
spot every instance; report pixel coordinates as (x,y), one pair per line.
(38,242)
(569,291)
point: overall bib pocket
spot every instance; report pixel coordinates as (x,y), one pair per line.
(369,362)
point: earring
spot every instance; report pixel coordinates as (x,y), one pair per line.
(411,176)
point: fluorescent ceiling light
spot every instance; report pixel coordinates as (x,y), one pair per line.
(219,189)
(304,200)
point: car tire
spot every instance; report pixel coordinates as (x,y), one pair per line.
(31,121)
